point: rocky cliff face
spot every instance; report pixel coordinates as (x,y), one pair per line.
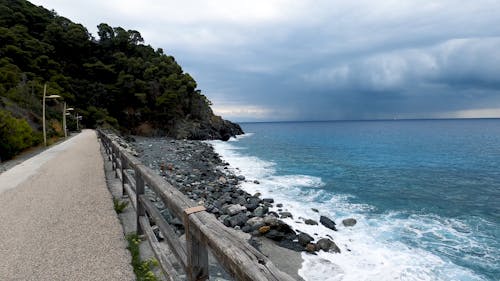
(203,124)
(199,124)
(207,129)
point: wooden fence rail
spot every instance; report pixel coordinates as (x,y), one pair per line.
(203,230)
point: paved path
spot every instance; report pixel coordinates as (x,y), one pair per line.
(57,220)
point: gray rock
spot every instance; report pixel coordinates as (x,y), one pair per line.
(327,222)
(268,200)
(271,221)
(349,222)
(304,239)
(246,229)
(260,211)
(255,222)
(241,200)
(315,210)
(310,222)
(252,203)
(285,215)
(236,220)
(275,235)
(327,245)
(222,180)
(222,218)
(234,209)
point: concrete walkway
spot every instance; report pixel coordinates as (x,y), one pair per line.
(57,220)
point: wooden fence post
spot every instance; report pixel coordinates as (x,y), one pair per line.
(197,259)
(124,166)
(115,160)
(197,253)
(139,190)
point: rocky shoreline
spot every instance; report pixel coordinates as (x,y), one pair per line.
(197,170)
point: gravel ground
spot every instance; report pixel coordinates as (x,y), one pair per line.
(57,220)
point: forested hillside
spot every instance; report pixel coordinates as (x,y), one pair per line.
(111,79)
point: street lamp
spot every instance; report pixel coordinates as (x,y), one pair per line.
(78,118)
(43,111)
(65,112)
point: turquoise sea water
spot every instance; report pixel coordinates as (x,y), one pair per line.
(426,193)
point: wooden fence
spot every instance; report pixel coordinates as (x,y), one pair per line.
(203,231)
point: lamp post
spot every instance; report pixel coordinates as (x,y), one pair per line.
(65,112)
(78,118)
(43,111)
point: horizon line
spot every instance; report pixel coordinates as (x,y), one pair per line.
(372,120)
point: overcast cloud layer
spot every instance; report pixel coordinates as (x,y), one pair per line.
(322,60)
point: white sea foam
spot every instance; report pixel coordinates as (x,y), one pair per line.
(372,249)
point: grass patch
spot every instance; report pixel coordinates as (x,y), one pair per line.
(142,269)
(119,205)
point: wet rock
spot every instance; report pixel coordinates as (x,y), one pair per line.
(252,203)
(268,200)
(236,220)
(274,214)
(256,182)
(271,221)
(235,209)
(279,205)
(304,239)
(327,222)
(260,211)
(242,200)
(315,210)
(255,222)
(290,244)
(349,222)
(310,222)
(285,215)
(311,248)
(275,235)
(327,245)
(246,229)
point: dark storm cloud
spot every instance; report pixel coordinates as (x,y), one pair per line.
(282,60)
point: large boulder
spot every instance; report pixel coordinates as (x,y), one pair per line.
(304,239)
(271,221)
(311,222)
(327,245)
(236,220)
(349,222)
(233,209)
(252,203)
(275,235)
(327,222)
(260,211)
(255,222)
(285,215)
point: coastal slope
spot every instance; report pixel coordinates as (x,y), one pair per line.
(111,79)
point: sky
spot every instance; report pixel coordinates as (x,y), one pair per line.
(277,60)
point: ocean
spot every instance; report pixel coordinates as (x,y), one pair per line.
(425,193)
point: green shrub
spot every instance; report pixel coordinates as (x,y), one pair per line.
(119,205)
(15,135)
(142,269)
